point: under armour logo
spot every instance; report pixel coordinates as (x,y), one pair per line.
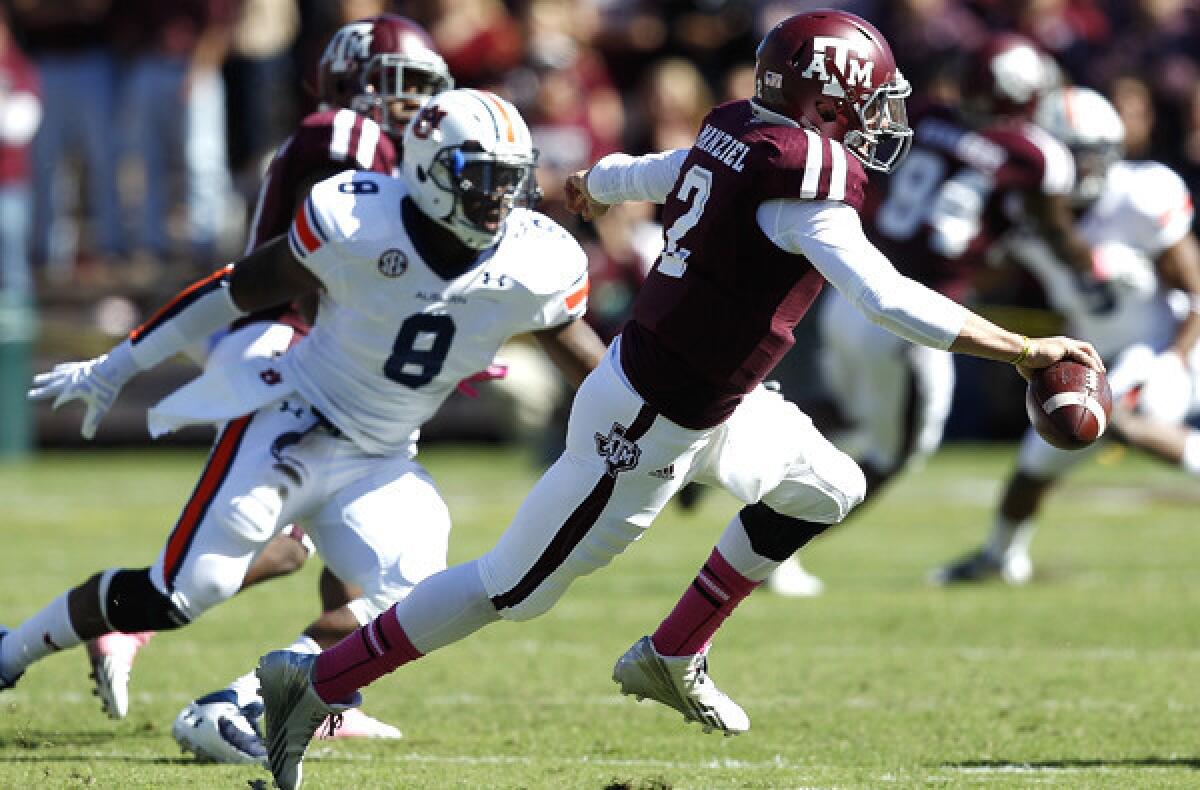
(619,453)
(270,377)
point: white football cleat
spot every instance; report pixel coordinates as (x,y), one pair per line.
(7,682)
(791,580)
(356,724)
(1015,568)
(216,730)
(111,656)
(679,682)
(294,711)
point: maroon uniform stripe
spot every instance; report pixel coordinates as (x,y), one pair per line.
(576,525)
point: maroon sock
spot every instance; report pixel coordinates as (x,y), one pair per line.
(714,593)
(363,657)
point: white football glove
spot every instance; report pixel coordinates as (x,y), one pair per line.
(96,382)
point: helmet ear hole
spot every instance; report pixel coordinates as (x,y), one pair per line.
(827,110)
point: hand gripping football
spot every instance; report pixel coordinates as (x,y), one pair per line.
(1069,404)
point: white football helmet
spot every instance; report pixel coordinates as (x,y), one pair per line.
(469,159)
(1089,125)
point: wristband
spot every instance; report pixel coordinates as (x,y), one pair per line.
(1026,350)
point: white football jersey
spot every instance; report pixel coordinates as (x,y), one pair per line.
(392,339)
(1144,209)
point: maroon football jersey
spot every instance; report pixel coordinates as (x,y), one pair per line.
(716,312)
(958,191)
(327,140)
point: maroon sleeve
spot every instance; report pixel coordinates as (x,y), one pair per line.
(325,143)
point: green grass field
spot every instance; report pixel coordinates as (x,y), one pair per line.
(1087,678)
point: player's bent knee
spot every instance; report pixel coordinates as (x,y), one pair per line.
(841,487)
(132,603)
(252,516)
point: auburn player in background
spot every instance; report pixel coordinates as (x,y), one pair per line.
(375,74)
(757,215)
(975,172)
(1140,307)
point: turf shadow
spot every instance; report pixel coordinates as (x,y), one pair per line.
(1150,761)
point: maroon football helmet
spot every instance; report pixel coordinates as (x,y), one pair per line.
(1005,77)
(384,67)
(834,73)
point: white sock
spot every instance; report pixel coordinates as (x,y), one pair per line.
(1191,453)
(47,632)
(1022,537)
(304,644)
(735,547)
(246,688)
(1008,535)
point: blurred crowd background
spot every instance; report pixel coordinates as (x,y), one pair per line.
(134,133)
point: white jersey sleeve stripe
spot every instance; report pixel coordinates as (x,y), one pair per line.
(368,139)
(812,166)
(1058,177)
(837,176)
(343,125)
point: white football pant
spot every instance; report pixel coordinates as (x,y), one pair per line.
(377,522)
(622,464)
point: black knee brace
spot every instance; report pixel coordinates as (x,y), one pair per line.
(774,535)
(132,604)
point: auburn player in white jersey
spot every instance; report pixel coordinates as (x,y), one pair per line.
(373,76)
(1140,309)
(420,280)
(757,213)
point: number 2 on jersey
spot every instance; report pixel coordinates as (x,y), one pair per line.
(696,186)
(420,349)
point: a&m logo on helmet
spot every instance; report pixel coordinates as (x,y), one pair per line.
(351,45)
(849,58)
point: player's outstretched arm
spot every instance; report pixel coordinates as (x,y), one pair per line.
(831,237)
(267,277)
(574,347)
(618,178)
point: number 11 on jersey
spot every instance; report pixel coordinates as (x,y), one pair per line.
(695,188)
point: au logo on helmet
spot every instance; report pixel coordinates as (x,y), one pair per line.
(849,58)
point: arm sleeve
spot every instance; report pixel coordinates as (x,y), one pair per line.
(831,237)
(618,178)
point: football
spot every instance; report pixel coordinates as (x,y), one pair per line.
(1069,404)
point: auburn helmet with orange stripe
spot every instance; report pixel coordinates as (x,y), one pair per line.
(834,73)
(1089,125)
(384,67)
(468,160)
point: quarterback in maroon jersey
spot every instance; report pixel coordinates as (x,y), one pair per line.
(374,76)
(757,215)
(974,173)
